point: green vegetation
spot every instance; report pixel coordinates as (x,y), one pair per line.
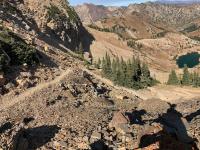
(173,79)
(160,34)
(16,49)
(131,74)
(99,29)
(72,14)
(55,13)
(197,38)
(191,28)
(187,79)
(186,76)
(134,44)
(115,29)
(98,64)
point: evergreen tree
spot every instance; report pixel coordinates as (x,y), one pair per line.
(99,63)
(114,71)
(104,66)
(173,79)
(145,70)
(146,79)
(108,71)
(186,76)
(137,74)
(129,75)
(195,79)
(123,79)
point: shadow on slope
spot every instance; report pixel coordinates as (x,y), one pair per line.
(34,138)
(173,135)
(49,36)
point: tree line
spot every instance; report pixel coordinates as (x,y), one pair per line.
(132,73)
(187,79)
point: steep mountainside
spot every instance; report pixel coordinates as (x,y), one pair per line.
(156,32)
(178,1)
(169,15)
(53,21)
(89,13)
(64,103)
(164,15)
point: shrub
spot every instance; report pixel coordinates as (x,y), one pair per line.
(16,48)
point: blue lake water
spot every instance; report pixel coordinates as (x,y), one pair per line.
(190,59)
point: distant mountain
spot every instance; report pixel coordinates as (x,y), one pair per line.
(90,13)
(178,1)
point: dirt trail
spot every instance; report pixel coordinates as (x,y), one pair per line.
(170,94)
(110,83)
(7,102)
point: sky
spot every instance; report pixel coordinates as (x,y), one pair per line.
(107,2)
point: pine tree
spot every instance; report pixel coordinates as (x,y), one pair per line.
(123,69)
(99,63)
(146,79)
(114,71)
(107,71)
(104,66)
(130,73)
(173,79)
(186,76)
(195,79)
(137,74)
(145,70)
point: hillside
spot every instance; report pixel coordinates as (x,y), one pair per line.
(179,2)
(56,22)
(90,13)
(156,32)
(52,98)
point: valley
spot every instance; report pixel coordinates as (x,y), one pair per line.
(94,77)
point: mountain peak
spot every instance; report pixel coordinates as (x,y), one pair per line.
(178,1)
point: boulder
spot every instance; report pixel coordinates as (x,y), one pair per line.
(120,123)
(122,129)
(2,79)
(95,136)
(118,118)
(10,85)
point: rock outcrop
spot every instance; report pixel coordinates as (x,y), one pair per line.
(55,22)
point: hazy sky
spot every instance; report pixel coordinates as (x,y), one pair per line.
(107,2)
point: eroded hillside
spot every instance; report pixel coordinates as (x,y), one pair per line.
(56,22)
(52,99)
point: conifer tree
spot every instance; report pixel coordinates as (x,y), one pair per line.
(146,79)
(114,71)
(173,79)
(195,79)
(108,71)
(145,70)
(123,69)
(186,76)
(130,73)
(104,66)
(99,63)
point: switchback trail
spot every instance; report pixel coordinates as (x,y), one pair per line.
(7,102)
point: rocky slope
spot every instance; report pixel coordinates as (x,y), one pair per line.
(56,22)
(60,104)
(158,14)
(178,1)
(170,15)
(90,13)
